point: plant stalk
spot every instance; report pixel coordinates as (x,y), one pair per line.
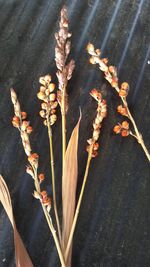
(49,221)
(138,135)
(79,203)
(53,178)
(63,113)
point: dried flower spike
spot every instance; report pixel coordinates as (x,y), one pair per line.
(101,114)
(46,93)
(65,70)
(110,74)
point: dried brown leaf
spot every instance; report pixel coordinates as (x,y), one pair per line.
(22,257)
(69,184)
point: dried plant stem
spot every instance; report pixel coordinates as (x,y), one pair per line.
(110,74)
(53,178)
(79,202)
(49,221)
(63,113)
(137,135)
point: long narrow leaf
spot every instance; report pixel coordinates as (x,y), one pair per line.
(69,184)
(22,257)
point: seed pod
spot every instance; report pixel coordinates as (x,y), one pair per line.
(29,171)
(44,194)
(45,122)
(125,125)
(29,129)
(41,177)
(123,93)
(41,95)
(52,97)
(24,125)
(125,86)
(42,113)
(16,121)
(48,78)
(23,115)
(92,60)
(42,89)
(53,119)
(47,92)
(124,133)
(44,105)
(42,81)
(117,129)
(90,48)
(54,105)
(51,87)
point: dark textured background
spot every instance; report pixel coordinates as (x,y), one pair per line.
(114,224)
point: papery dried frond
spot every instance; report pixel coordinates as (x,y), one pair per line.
(69,184)
(21,255)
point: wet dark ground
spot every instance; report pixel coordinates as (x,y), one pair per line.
(114,224)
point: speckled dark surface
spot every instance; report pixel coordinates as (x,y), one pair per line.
(114,224)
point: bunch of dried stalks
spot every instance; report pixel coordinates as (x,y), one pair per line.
(50,97)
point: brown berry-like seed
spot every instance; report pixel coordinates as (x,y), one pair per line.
(95,146)
(24,125)
(23,115)
(33,158)
(46,201)
(122,110)
(92,60)
(53,119)
(47,78)
(42,113)
(94,154)
(90,48)
(52,97)
(16,121)
(54,105)
(44,194)
(29,171)
(51,87)
(42,89)
(112,69)
(117,129)
(105,60)
(45,122)
(29,129)
(44,105)
(122,93)
(114,83)
(96,94)
(47,92)
(125,125)
(41,177)
(41,95)
(125,86)
(42,81)
(124,133)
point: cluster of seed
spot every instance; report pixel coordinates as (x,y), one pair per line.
(122,129)
(110,72)
(101,114)
(49,104)
(19,121)
(122,110)
(62,50)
